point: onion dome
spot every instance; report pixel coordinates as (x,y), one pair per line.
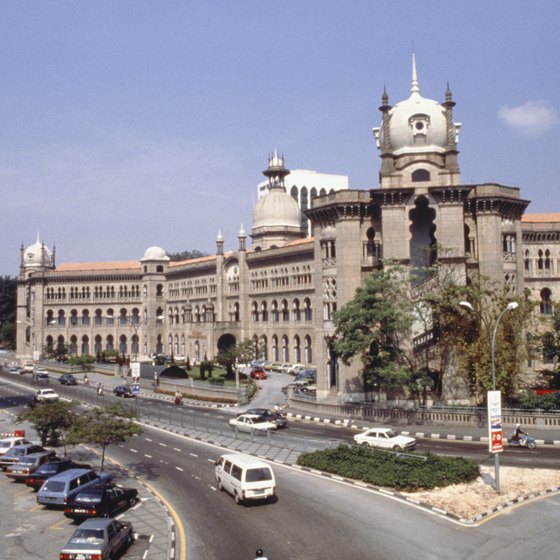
(155,254)
(38,255)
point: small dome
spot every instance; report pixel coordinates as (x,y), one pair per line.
(276,209)
(155,254)
(38,255)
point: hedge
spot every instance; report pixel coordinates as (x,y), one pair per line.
(403,471)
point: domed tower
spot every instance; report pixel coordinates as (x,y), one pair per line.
(36,257)
(418,140)
(276,217)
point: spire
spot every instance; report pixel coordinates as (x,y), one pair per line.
(415,88)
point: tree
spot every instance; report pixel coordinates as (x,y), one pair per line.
(104,427)
(186,255)
(8,301)
(51,420)
(241,353)
(375,327)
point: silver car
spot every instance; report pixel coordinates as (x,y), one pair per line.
(98,538)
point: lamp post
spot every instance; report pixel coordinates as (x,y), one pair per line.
(510,306)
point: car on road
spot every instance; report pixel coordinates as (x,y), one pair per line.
(46,395)
(123,391)
(252,423)
(54,466)
(385,438)
(277,418)
(59,489)
(100,500)
(14,454)
(98,538)
(27,465)
(8,442)
(258,373)
(68,379)
(14,370)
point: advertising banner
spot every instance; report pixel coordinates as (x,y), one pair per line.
(495,434)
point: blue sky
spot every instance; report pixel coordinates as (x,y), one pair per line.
(127,124)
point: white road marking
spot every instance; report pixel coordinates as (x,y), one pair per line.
(179,469)
(146,455)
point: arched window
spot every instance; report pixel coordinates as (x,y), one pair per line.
(264,311)
(420,175)
(85,319)
(274,311)
(297,349)
(546,303)
(308,350)
(307,311)
(255,312)
(275,356)
(296,311)
(285,349)
(285,311)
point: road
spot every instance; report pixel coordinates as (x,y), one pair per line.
(316,517)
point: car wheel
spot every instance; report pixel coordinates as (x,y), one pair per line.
(131,501)
(220,485)
(238,499)
(129,539)
(364,444)
(397,448)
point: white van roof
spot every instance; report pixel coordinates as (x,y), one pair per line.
(244,460)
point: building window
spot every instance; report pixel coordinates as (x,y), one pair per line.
(546,306)
(420,174)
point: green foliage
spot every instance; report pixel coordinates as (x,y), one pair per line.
(105,426)
(241,353)
(51,420)
(8,300)
(401,471)
(374,325)
(83,360)
(186,255)
(530,400)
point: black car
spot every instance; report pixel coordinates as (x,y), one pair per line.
(47,470)
(123,391)
(277,418)
(67,379)
(101,500)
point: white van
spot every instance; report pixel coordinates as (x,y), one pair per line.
(245,477)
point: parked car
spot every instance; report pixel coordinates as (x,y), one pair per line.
(306,376)
(46,470)
(100,500)
(123,391)
(252,422)
(68,379)
(14,370)
(59,489)
(46,395)
(8,442)
(385,438)
(27,465)
(277,418)
(98,538)
(295,369)
(14,454)
(258,373)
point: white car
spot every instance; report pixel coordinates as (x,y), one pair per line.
(385,438)
(7,443)
(250,422)
(44,395)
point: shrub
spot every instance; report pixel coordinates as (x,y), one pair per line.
(401,471)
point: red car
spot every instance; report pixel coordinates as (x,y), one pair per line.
(258,373)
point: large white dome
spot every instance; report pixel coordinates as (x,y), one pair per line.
(417,125)
(276,209)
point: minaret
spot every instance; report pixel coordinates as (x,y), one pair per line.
(452,163)
(276,172)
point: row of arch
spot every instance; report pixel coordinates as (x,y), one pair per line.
(109,317)
(281,311)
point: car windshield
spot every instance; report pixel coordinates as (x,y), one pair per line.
(27,460)
(48,468)
(87,536)
(15,451)
(53,486)
(5,444)
(255,475)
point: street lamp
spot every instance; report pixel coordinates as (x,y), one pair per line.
(510,306)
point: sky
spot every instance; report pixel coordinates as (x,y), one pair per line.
(131,123)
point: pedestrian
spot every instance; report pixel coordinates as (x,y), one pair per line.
(259,555)
(100,390)
(178,397)
(85,379)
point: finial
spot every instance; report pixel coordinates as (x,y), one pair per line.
(415,87)
(242,232)
(385,96)
(219,236)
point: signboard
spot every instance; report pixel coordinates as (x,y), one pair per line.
(495,434)
(135,370)
(135,388)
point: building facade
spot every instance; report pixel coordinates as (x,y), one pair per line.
(281,289)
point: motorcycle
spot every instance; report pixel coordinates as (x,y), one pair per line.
(524,441)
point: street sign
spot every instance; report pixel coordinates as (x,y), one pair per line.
(495,435)
(135,388)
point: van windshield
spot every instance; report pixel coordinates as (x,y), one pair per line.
(256,475)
